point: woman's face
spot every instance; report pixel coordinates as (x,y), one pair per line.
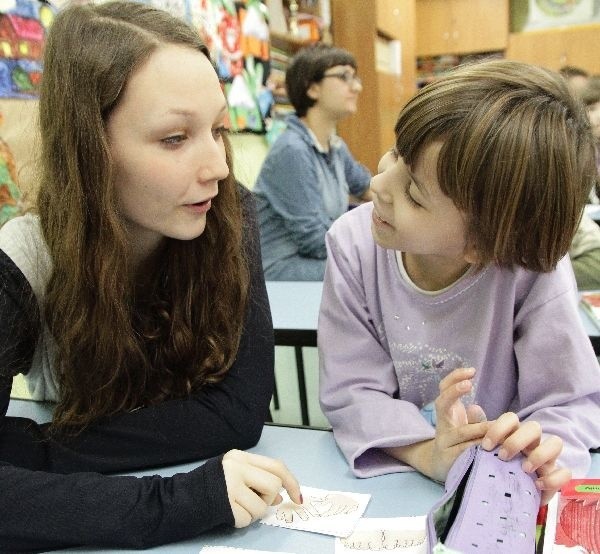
(166,140)
(337,93)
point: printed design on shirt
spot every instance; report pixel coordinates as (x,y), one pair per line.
(420,368)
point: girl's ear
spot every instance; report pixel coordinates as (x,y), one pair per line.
(471,256)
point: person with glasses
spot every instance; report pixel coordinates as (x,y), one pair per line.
(309,173)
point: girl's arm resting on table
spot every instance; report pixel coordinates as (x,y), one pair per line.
(42,511)
(358,385)
(559,377)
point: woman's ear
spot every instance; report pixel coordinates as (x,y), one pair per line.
(313,91)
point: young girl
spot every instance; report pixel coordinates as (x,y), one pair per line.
(306,178)
(132,300)
(453,287)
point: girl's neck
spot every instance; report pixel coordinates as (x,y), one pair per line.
(321,125)
(433,273)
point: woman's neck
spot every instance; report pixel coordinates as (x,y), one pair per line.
(321,125)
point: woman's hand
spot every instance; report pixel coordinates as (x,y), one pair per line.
(253,484)
(541,455)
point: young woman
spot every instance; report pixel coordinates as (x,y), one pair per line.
(449,312)
(132,300)
(309,173)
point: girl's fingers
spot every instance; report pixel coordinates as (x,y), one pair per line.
(552,482)
(475,414)
(278,468)
(454,377)
(505,426)
(543,457)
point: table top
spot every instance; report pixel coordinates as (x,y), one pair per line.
(314,458)
(295,304)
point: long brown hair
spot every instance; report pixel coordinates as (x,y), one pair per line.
(119,345)
(518,157)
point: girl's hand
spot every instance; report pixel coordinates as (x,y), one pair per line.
(253,484)
(458,427)
(541,455)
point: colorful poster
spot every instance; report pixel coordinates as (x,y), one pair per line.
(23,25)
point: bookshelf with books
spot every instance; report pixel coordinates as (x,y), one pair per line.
(293,25)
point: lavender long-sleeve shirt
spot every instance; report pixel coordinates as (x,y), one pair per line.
(384,347)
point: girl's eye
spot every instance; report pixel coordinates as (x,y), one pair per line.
(174,140)
(218,132)
(408,196)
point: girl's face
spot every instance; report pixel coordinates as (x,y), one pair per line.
(337,93)
(594,115)
(411,214)
(165,136)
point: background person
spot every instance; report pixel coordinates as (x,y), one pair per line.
(306,179)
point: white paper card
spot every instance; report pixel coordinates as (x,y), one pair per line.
(328,512)
(403,534)
(232,550)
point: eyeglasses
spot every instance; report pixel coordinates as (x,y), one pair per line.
(347,76)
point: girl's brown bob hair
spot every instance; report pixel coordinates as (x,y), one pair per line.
(518,157)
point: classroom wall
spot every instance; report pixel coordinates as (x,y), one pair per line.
(249,151)
(18,128)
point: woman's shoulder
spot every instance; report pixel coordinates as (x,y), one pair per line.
(22,241)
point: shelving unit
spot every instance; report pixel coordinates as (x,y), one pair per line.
(366,28)
(419,32)
(461,26)
(555,47)
(283,48)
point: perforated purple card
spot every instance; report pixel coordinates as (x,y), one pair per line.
(490,506)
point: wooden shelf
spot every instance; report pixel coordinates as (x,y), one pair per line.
(288,42)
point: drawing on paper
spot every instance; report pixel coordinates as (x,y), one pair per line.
(314,507)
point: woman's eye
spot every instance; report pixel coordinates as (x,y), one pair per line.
(174,140)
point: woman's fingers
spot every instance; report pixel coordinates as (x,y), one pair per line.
(254,482)
(277,469)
